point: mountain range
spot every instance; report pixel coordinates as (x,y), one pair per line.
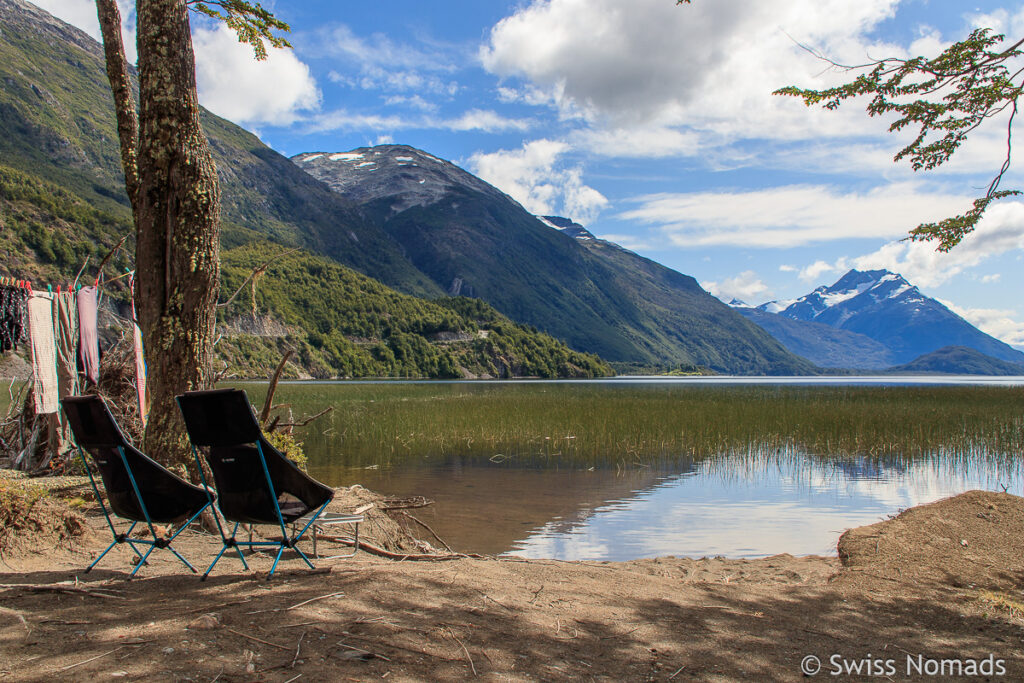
(469,238)
(423,227)
(414,225)
(872,320)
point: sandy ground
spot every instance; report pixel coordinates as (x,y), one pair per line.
(938,582)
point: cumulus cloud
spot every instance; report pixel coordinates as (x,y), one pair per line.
(746,286)
(791,215)
(234,85)
(377,62)
(534,177)
(1001,230)
(711,66)
(816,270)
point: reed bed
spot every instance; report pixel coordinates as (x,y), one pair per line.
(602,425)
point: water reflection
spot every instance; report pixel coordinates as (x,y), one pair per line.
(741,505)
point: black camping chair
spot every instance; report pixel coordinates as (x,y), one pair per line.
(138,488)
(256,484)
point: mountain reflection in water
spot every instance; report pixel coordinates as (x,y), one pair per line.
(741,505)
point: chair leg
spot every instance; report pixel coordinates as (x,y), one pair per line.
(142,561)
(183,560)
(303,556)
(214,563)
(96,561)
(277,559)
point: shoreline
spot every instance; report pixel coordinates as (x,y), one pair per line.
(939,582)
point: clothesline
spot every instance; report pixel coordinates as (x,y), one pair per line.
(61,330)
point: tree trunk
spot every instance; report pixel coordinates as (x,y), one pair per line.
(177,224)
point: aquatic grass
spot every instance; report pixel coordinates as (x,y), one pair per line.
(627,426)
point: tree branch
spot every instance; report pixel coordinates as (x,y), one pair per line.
(121,88)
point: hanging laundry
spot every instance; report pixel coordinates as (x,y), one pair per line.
(65,333)
(13,317)
(44,365)
(88,334)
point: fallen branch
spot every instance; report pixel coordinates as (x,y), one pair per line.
(464,649)
(301,423)
(259,640)
(322,597)
(419,557)
(35,588)
(434,533)
(92,659)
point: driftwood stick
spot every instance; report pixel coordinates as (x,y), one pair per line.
(258,640)
(464,649)
(304,421)
(269,401)
(397,647)
(92,659)
(321,597)
(434,533)
(380,552)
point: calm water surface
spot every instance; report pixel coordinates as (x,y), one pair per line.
(534,469)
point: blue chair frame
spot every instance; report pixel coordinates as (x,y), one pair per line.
(138,488)
(125,537)
(232,541)
(222,421)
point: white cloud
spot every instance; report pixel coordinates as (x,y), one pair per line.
(475,119)
(1000,231)
(792,215)
(533,177)
(82,14)
(709,66)
(999,323)
(377,62)
(234,85)
(816,270)
(485,120)
(746,286)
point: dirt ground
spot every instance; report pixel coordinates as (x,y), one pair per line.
(939,582)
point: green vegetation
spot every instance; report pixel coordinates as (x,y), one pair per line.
(958,360)
(47,233)
(640,425)
(346,324)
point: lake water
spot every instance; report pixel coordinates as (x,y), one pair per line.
(635,467)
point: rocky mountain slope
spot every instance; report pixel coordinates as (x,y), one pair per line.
(886,308)
(471,239)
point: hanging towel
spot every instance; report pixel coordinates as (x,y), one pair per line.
(44,366)
(65,333)
(88,335)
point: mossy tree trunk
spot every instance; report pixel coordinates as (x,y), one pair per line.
(176,204)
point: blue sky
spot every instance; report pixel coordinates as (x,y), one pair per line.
(653,124)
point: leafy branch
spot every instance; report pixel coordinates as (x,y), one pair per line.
(250,21)
(946,99)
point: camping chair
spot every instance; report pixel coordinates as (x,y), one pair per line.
(138,488)
(256,484)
